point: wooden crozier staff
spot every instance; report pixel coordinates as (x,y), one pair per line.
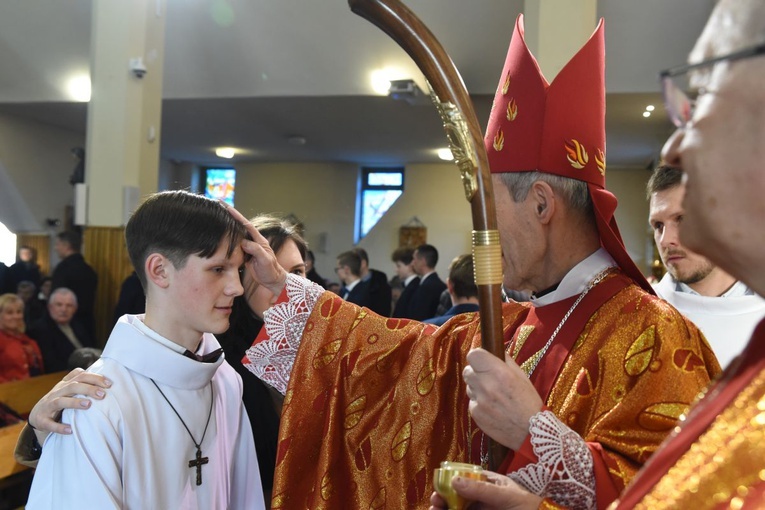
(466,142)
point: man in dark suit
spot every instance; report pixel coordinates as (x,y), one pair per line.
(425,299)
(461,288)
(354,289)
(75,274)
(58,333)
(380,293)
(402,258)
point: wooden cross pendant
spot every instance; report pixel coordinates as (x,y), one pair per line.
(197,463)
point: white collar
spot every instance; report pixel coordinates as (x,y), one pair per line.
(738,289)
(577,278)
(409,279)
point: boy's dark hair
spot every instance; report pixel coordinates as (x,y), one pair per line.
(362,253)
(352,260)
(461,276)
(663,178)
(429,253)
(277,230)
(72,238)
(178,224)
(403,255)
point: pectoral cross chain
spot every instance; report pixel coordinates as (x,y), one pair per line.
(198,463)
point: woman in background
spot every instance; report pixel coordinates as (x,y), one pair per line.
(262,406)
(20,356)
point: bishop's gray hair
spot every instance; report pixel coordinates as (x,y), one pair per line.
(573,191)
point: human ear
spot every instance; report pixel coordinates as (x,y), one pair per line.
(156,267)
(544,201)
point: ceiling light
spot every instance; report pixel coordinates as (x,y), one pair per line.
(649,108)
(381,78)
(225,152)
(646,114)
(445,154)
(78,88)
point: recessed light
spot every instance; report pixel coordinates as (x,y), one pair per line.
(646,114)
(79,88)
(649,108)
(225,152)
(381,78)
(445,154)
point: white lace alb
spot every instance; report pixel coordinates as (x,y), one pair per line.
(271,360)
(565,471)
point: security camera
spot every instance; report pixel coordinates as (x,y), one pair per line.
(137,67)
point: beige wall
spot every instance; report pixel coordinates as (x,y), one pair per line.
(323,196)
(628,184)
(35,165)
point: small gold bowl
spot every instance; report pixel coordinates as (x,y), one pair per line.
(442,482)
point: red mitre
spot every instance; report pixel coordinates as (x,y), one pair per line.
(558,128)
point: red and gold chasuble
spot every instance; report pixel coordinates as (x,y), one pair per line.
(716,457)
(374,404)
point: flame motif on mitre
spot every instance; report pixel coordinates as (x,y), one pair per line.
(600,160)
(512,110)
(561,124)
(558,117)
(499,141)
(576,154)
(506,85)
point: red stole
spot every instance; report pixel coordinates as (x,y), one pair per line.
(544,320)
(735,378)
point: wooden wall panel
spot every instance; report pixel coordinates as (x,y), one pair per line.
(41,243)
(104,249)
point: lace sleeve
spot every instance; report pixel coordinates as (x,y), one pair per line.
(565,471)
(271,358)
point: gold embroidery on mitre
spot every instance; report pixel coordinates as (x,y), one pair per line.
(400,444)
(499,140)
(354,412)
(600,160)
(426,378)
(638,357)
(506,84)
(577,155)
(512,110)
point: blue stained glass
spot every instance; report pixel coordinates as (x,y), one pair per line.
(375,204)
(385,179)
(220,184)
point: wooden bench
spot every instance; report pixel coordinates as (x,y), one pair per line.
(20,396)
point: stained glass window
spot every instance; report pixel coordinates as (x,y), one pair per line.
(220,183)
(379,190)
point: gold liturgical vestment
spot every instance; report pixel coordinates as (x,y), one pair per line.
(375,404)
(716,458)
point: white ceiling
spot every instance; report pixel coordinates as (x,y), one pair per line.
(252,73)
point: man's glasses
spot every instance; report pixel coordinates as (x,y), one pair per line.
(674,84)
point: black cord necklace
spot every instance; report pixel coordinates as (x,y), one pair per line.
(199,460)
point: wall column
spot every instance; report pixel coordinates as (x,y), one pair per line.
(556,29)
(124,121)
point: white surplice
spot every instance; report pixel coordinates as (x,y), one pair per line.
(131,451)
(726,321)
